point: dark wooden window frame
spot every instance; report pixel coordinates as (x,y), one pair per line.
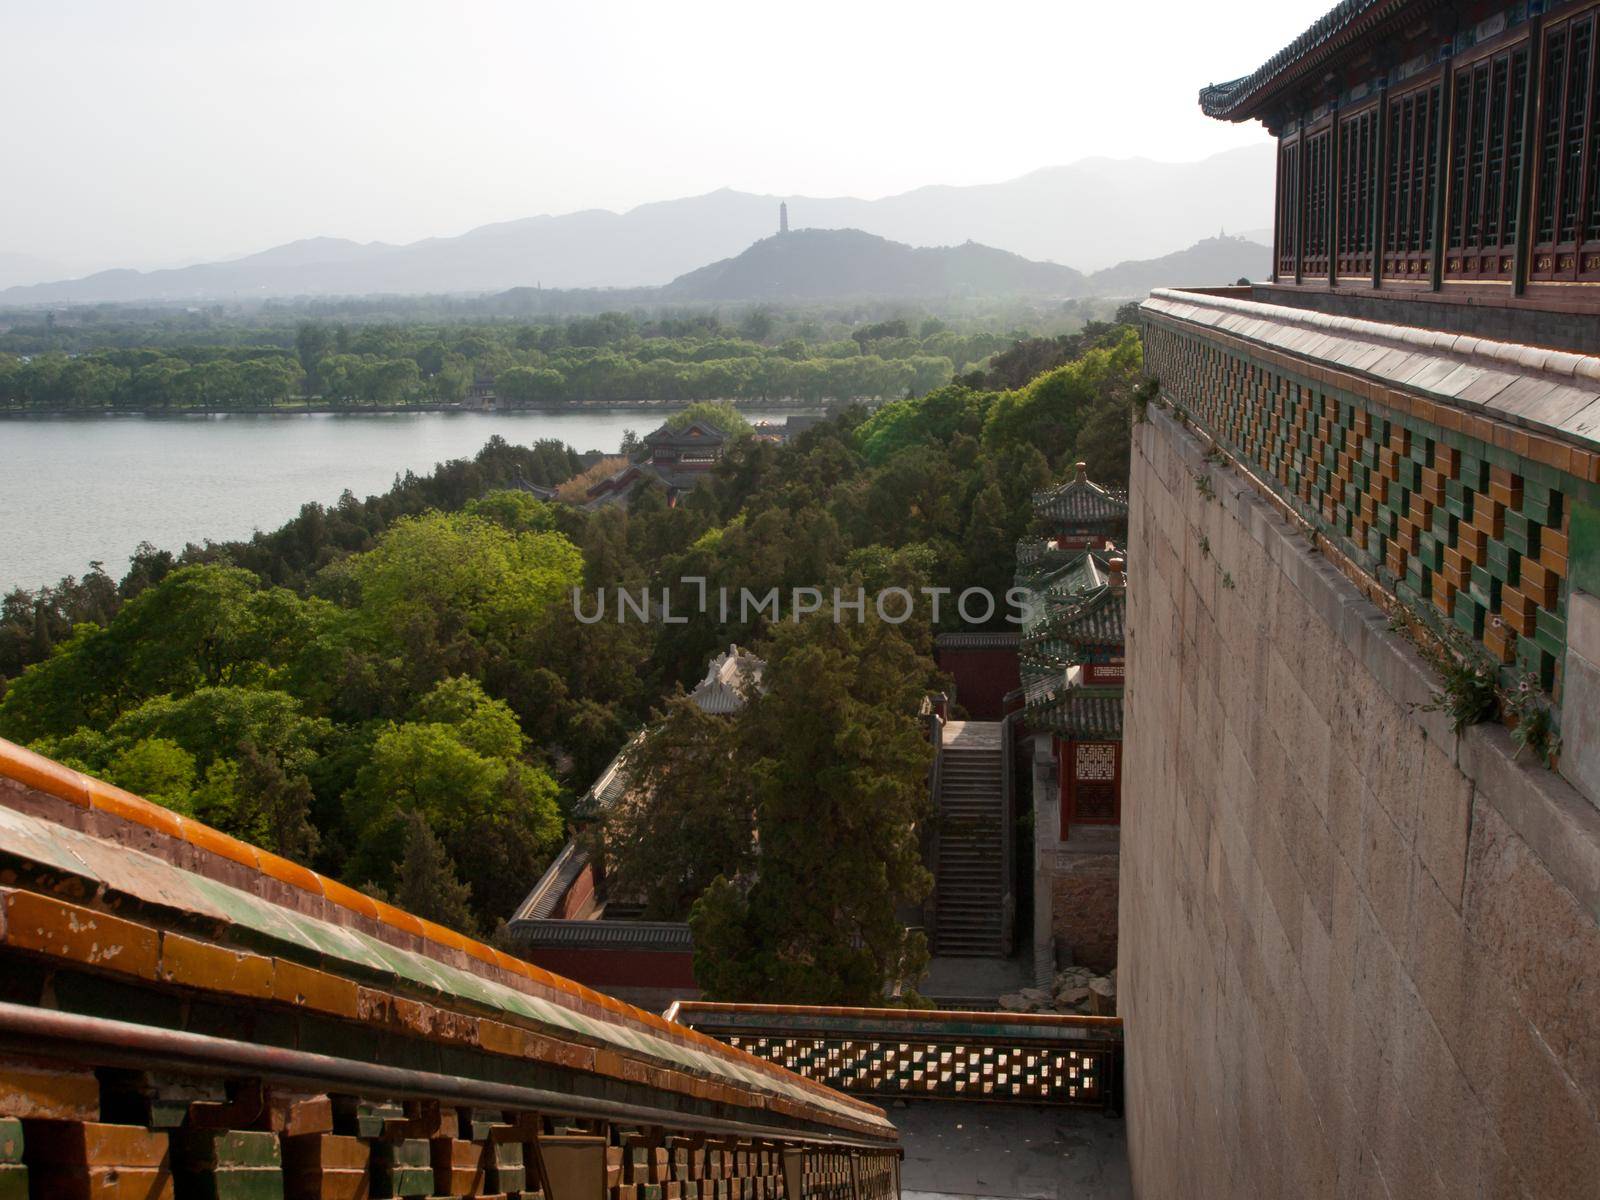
(1288,224)
(1564,234)
(1412,177)
(1358,193)
(1316,208)
(1489,152)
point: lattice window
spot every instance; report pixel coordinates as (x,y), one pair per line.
(1411,183)
(1094,787)
(1357,198)
(1451,525)
(1319,161)
(1288,209)
(1566,233)
(1486,154)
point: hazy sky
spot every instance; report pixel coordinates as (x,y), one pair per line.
(167,131)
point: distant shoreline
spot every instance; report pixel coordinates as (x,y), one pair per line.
(380,410)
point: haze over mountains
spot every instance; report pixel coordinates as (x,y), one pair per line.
(1089,215)
(818,264)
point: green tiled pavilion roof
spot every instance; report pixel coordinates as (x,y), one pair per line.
(1097,619)
(1083,713)
(1082,504)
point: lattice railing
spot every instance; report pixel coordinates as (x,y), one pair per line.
(911,1054)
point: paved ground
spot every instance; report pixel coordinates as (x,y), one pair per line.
(972,735)
(980,979)
(1010,1152)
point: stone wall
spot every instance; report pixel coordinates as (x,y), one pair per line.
(1360,955)
(1083,904)
(1075,880)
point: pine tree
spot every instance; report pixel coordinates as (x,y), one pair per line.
(838,762)
(426,883)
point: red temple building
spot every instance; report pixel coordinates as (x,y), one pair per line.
(677,459)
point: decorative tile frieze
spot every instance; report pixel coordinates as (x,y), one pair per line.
(1465,519)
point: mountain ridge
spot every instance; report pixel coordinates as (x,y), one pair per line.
(1094,213)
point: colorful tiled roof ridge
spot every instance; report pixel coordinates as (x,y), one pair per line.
(1082,501)
(1098,618)
(1066,572)
(102,813)
(1244,98)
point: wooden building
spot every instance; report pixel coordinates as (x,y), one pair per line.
(1438,152)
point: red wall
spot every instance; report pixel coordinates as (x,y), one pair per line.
(982,679)
(578,895)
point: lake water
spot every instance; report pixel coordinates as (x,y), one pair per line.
(73,490)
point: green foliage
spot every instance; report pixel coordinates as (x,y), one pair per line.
(458,766)
(836,761)
(158,769)
(724,416)
(519,512)
(687,817)
(411,663)
(426,882)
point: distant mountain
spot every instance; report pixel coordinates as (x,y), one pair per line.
(18,269)
(1211,262)
(1090,214)
(820,264)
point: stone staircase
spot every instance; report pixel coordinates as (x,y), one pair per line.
(970,875)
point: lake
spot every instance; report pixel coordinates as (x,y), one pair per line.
(74,490)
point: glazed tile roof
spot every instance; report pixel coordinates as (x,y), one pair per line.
(607,935)
(560,875)
(1065,572)
(1081,503)
(696,433)
(729,681)
(611,786)
(1305,57)
(1089,714)
(1097,619)
(976,641)
(159,883)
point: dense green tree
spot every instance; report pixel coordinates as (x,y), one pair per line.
(426,883)
(837,761)
(688,816)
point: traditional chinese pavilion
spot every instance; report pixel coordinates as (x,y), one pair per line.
(677,459)
(1072,652)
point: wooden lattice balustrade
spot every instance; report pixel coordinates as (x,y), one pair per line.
(908,1054)
(184,1015)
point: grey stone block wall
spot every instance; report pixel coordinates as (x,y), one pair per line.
(1360,956)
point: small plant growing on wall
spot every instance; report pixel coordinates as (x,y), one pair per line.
(1534,729)
(1203,485)
(1205,546)
(1470,693)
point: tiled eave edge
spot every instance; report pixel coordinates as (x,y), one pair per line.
(1540,404)
(1306,56)
(1558,824)
(38,786)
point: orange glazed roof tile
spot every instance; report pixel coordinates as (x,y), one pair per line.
(632,1030)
